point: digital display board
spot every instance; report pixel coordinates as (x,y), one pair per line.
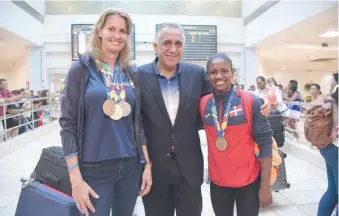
(81,36)
(200,41)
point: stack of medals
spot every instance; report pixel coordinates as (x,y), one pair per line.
(115,106)
(221,142)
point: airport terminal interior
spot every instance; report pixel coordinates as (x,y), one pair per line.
(288,46)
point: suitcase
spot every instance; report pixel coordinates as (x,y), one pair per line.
(277,125)
(38,199)
(52,170)
(281,181)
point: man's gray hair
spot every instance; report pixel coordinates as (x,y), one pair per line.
(169,25)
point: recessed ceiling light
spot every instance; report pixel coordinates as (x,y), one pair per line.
(271,55)
(311,57)
(334,70)
(330,34)
(283,68)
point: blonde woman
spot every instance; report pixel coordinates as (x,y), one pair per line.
(101,133)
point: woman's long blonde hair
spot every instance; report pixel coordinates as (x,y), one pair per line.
(96,42)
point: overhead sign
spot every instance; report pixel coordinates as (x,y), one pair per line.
(200,41)
(81,36)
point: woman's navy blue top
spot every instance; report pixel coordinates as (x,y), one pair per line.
(104,138)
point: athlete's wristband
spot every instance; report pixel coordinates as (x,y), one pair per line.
(73,166)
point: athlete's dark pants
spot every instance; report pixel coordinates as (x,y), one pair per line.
(246,198)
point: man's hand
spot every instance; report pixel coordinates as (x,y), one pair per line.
(265,197)
(265,108)
(146,180)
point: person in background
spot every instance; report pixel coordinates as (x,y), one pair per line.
(271,82)
(236,174)
(294,82)
(273,86)
(32,93)
(262,86)
(292,94)
(45,93)
(329,200)
(41,115)
(235,79)
(101,132)
(317,96)
(251,88)
(23,91)
(274,89)
(281,88)
(171,91)
(7,94)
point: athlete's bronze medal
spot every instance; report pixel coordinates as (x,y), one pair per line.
(115,107)
(221,144)
(221,124)
(118,113)
(126,108)
(109,107)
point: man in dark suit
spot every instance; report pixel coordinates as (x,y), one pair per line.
(171,92)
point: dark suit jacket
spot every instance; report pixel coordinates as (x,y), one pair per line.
(160,133)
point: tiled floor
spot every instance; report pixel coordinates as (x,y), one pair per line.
(307,182)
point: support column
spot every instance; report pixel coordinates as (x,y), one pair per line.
(45,75)
(35,76)
(252,66)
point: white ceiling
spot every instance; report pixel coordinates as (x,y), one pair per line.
(292,48)
(174,7)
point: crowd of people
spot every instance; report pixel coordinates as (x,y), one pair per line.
(16,110)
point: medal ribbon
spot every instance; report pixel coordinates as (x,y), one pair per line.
(221,127)
(115,90)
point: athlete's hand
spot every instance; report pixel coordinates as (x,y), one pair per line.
(80,194)
(265,197)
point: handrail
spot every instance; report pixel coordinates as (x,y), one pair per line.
(297,103)
(27,118)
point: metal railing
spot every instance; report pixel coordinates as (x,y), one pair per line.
(299,130)
(31,114)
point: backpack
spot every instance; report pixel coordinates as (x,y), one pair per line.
(318,127)
(247,100)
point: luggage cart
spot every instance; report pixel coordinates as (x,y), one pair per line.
(281,181)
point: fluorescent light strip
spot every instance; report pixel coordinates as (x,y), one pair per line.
(330,34)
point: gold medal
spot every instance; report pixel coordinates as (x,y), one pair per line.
(126,108)
(221,144)
(118,113)
(109,107)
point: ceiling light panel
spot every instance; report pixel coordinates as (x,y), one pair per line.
(330,34)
